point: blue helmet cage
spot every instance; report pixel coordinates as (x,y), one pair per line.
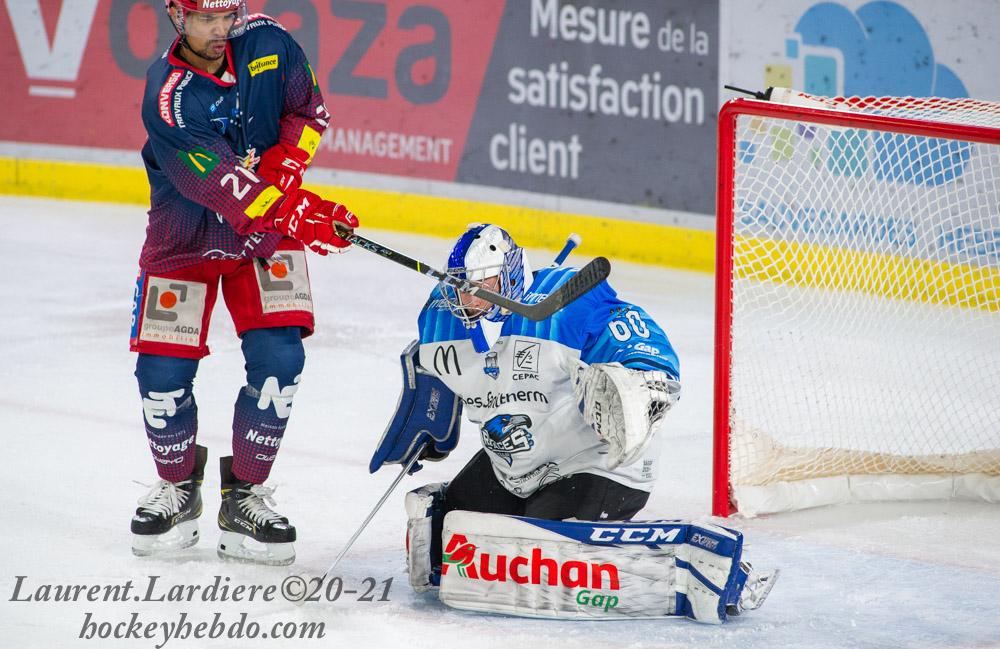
(485,251)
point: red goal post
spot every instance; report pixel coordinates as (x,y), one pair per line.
(857,342)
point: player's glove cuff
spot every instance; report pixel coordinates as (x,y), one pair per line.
(283,165)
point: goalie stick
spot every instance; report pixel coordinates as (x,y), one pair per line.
(371,515)
(585,279)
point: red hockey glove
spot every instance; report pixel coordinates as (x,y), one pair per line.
(283,165)
(306,217)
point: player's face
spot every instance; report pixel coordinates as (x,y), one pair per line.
(475,305)
(207,33)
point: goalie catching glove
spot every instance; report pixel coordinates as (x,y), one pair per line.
(623,405)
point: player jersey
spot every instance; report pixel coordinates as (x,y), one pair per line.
(519,393)
(206,135)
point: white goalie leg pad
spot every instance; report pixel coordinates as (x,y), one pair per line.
(624,406)
(589,570)
(421,505)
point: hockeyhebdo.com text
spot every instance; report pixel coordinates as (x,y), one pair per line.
(154,596)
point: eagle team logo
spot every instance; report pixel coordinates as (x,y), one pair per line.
(505,435)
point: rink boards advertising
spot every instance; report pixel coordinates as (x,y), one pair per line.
(546,114)
(549,96)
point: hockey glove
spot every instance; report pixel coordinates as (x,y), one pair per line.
(427,421)
(623,406)
(283,165)
(306,217)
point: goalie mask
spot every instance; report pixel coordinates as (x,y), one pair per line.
(485,255)
(209,19)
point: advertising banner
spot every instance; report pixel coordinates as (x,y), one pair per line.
(916,48)
(605,101)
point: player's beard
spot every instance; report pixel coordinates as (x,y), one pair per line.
(212,51)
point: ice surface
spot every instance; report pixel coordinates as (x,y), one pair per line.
(883,575)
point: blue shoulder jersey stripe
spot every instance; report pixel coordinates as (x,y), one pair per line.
(603,327)
(565,326)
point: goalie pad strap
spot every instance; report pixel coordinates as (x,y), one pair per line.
(589,570)
(423,506)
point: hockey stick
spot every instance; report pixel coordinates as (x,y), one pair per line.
(371,515)
(585,279)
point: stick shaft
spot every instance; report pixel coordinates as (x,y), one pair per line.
(587,278)
(371,515)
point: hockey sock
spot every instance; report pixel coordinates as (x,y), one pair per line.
(274,361)
(170,412)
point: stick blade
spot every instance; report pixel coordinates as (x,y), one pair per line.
(595,272)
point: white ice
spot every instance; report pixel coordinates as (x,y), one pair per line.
(917,575)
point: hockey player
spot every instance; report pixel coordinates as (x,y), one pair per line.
(234,116)
(568,411)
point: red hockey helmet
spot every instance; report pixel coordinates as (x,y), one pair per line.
(238,9)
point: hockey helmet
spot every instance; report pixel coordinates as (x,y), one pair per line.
(238,9)
(483,252)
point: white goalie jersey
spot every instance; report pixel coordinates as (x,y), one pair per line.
(518,390)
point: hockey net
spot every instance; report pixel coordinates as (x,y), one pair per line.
(858,301)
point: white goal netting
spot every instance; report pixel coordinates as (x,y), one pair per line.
(865,328)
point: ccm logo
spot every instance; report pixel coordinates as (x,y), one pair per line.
(634,535)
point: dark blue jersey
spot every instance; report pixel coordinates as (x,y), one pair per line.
(206,134)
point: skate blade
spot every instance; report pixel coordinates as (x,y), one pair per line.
(183,535)
(239,547)
(754,594)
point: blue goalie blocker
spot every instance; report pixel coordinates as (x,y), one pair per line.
(427,419)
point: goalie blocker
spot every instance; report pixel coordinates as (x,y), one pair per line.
(579,569)
(426,422)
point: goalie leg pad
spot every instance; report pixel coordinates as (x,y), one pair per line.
(590,570)
(423,506)
(428,413)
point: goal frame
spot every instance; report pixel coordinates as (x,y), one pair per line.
(722,504)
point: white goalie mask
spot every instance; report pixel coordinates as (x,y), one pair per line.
(485,254)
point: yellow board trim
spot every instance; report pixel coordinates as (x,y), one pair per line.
(647,243)
(892,276)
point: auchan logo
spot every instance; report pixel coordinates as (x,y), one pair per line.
(534,569)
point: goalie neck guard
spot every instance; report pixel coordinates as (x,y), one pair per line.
(483,252)
(230,14)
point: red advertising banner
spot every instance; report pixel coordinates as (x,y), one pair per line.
(614,102)
(401,87)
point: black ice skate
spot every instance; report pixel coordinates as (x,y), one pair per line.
(251,530)
(167,517)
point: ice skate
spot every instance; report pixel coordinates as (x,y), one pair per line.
(251,530)
(756,589)
(167,517)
